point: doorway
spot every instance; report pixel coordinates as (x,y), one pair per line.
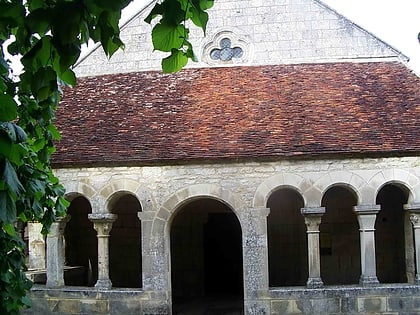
(206,259)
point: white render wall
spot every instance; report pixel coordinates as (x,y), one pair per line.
(275,31)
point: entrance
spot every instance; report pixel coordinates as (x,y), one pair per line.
(206,259)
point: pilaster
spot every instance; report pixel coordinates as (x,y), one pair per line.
(56,253)
(414,211)
(36,246)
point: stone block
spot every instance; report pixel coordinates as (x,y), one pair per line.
(371,304)
(285,307)
(94,306)
(404,304)
(65,306)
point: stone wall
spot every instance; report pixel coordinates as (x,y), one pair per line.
(386,299)
(244,189)
(268,32)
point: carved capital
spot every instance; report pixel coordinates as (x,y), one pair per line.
(415,220)
(102,222)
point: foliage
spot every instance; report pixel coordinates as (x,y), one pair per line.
(48,35)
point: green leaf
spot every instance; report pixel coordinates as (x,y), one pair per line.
(199,17)
(166,37)
(5,144)
(9,229)
(39,20)
(175,62)
(7,207)
(8,108)
(11,179)
(68,77)
(15,132)
(44,83)
(206,4)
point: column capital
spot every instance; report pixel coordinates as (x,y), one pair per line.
(102,222)
(412,207)
(415,220)
(312,211)
(366,209)
(102,217)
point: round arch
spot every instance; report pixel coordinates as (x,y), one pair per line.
(172,204)
(401,178)
(279,181)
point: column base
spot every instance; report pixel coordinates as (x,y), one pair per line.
(368,280)
(55,284)
(103,284)
(314,283)
(417,280)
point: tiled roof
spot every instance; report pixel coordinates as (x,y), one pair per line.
(240,113)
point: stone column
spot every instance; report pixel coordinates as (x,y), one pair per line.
(36,246)
(366,215)
(313,220)
(56,253)
(102,222)
(255,264)
(414,211)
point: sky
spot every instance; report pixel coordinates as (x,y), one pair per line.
(396,22)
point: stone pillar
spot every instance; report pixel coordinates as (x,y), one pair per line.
(36,246)
(313,220)
(56,253)
(414,211)
(255,264)
(102,222)
(366,215)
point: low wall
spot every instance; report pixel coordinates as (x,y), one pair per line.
(381,299)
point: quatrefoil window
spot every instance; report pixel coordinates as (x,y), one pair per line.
(226,52)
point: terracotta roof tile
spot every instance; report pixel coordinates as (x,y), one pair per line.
(241,113)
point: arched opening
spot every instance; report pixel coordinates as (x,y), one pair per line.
(390,240)
(287,245)
(125,264)
(339,238)
(81,245)
(206,259)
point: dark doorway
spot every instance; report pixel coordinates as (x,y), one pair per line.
(81,245)
(206,259)
(339,238)
(125,264)
(390,236)
(287,246)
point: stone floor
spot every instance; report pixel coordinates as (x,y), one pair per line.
(210,306)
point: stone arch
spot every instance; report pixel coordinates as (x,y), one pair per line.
(347,186)
(115,188)
(352,181)
(279,181)
(178,199)
(75,189)
(401,178)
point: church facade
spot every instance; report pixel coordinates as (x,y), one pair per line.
(280,174)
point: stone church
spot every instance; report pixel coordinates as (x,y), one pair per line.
(279,174)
